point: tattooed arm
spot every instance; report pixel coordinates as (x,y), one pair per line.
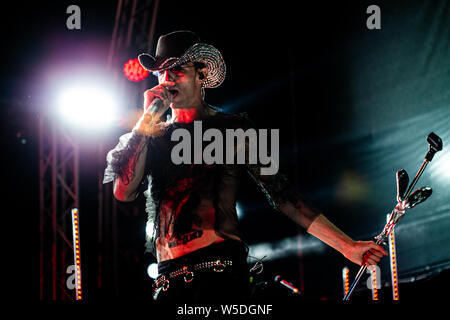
(127,161)
(284,197)
(127,183)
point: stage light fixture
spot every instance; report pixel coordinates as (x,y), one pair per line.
(76,251)
(88,106)
(152,270)
(373,271)
(346,279)
(393,264)
(134,71)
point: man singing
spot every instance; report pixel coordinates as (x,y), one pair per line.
(191,207)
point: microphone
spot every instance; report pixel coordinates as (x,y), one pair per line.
(286,284)
(156,105)
(435,145)
(158,109)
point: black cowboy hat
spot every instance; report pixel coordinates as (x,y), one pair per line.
(180,47)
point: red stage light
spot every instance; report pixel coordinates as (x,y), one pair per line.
(134,71)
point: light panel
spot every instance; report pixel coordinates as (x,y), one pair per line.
(346,280)
(76,253)
(393,263)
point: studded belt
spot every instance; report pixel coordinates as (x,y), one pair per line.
(188,272)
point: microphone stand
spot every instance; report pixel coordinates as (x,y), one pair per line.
(401,207)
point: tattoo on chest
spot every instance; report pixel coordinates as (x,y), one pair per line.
(186,238)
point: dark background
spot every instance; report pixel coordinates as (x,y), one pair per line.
(353,106)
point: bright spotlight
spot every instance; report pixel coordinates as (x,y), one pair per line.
(440,169)
(88,107)
(152,270)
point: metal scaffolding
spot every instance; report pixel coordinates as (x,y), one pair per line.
(59,167)
(58,194)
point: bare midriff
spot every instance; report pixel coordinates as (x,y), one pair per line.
(199,237)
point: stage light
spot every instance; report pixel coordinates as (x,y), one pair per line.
(88,106)
(440,169)
(76,240)
(351,188)
(134,71)
(152,270)
(346,279)
(393,264)
(373,271)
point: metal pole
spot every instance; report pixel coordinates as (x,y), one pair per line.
(54,155)
(112,47)
(130,24)
(100,219)
(392,221)
(152,26)
(41,207)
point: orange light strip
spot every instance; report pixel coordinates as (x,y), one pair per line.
(374,283)
(76,253)
(393,255)
(345,279)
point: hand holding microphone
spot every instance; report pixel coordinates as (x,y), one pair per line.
(156,101)
(159,92)
(157,108)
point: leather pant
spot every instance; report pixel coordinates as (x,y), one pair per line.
(208,285)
